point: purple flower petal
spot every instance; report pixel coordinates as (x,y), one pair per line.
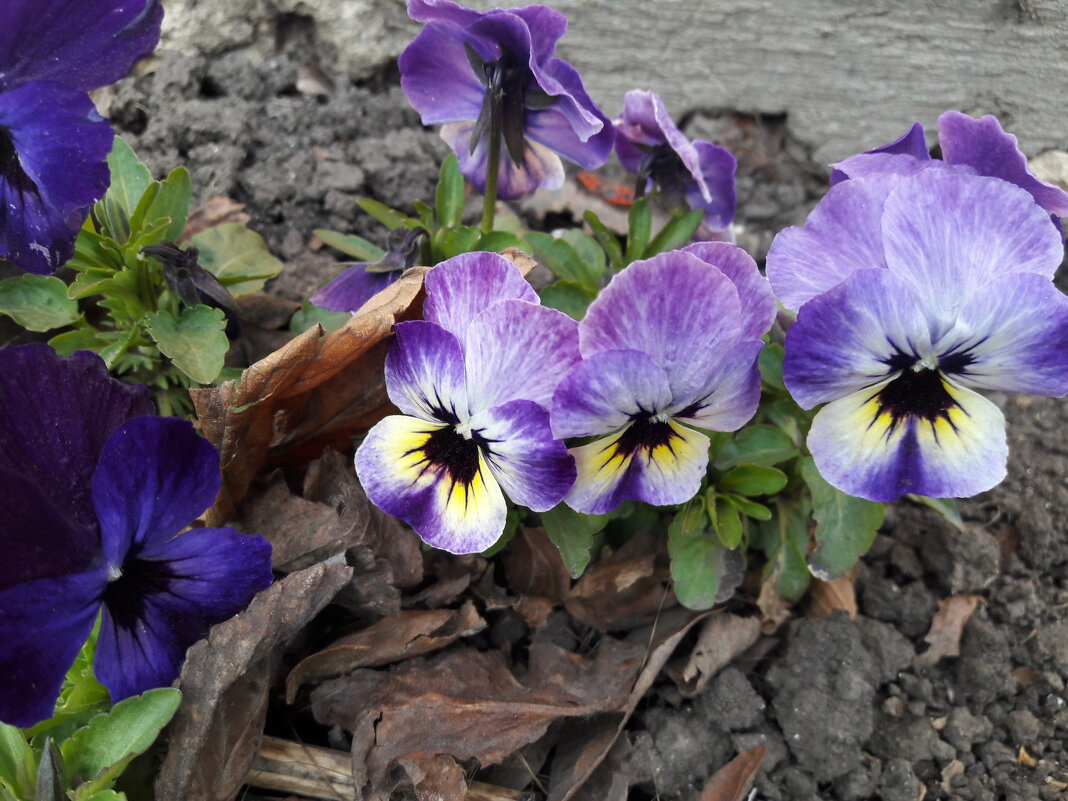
(717,166)
(532,468)
(658,462)
(53,151)
(982,145)
(645,121)
(438,79)
(425,374)
(843,234)
(83,44)
(608,390)
(434,479)
(863,450)
(758,307)
(912,145)
(541,168)
(1012,335)
(154,477)
(168,598)
(57,415)
(949,234)
(573,126)
(43,624)
(516,349)
(853,336)
(675,307)
(353,288)
(461,287)
(731,392)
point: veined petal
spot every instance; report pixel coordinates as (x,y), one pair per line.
(425,374)
(1011,335)
(843,234)
(168,597)
(853,336)
(870,445)
(552,129)
(757,301)
(589,123)
(714,190)
(541,168)
(949,234)
(660,463)
(459,288)
(608,390)
(516,349)
(679,309)
(83,44)
(434,479)
(43,624)
(982,145)
(532,468)
(353,288)
(155,475)
(437,77)
(729,398)
(912,145)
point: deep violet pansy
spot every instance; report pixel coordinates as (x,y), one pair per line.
(669,346)
(473,380)
(912,291)
(95,491)
(53,144)
(694,175)
(360,282)
(472,71)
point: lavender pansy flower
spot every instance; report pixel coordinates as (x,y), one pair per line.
(359,283)
(913,291)
(473,381)
(974,146)
(492,74)
(53,144)
(695,175)
(95,490)
(670,345)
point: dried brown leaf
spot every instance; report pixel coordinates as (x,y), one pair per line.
(774,609)
(216,732)
(947,625)
(826,597)
(722,638)
(391,639)
(212,212)
(733,781)
(533,566)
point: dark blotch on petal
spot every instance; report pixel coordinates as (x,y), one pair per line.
(645,433)
(916,393)
(125,596)
(10,166)
(458,455)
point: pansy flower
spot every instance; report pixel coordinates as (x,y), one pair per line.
(913,291)
(360,282)
(688,175)
(969,145)
(53,144)
(669,346)
(492,74)
(95,491)
(474,380)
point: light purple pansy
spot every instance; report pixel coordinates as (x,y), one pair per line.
(913,291)
(463,58)
(669,346)
(696,175)
(474,381)
(53,144)
(976,146)
(95,491)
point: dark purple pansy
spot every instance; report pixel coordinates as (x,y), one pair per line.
(464,62)
(53,144)
(360,282)
(695,175)
(95,491)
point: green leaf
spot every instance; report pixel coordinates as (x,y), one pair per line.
(449,198)
(496,241)
(573,533)
(18,764)
(92,251)
(751,479)
(129,177)
(785,539)
(608,241)
(946,507)
(351,245)
(50,785)
(103,795)
(196,342)
(589,251)
(727,523)
(790,418)
(758,444)
(309,314)
(704,571)
(458,240)
(238,257)
(562,259)
(170,202)
(568,297)
(639,228)
(101,750)
(80,339)
(770,361)
(37,302)
(845,526)
(749,507)
(678,231)
(385,215)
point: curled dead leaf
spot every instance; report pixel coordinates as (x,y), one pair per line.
(827,597)
(722,638)
(214,211)
(947,625)
(733,781)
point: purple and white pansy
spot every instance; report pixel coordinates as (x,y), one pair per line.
(914,289)
(474,381)
(669,346)
(695,175)
(483,74)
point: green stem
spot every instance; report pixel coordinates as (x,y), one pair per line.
(493,168)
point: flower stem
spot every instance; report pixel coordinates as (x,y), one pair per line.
(493,166)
